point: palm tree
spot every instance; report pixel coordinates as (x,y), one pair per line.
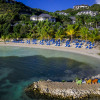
(84,32)
(42,33)
(15,35)
(51,33)
(70,31)
(4,38)
(33,32)
(94,34)
(59,34)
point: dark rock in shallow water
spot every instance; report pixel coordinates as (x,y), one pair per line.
(61,90)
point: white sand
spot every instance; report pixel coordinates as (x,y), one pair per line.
(89,52)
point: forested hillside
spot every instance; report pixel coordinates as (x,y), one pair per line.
(15,23)
(95,7)
(14,11)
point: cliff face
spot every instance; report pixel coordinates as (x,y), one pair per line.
(66,89)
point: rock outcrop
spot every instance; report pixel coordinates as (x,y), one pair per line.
(64,89)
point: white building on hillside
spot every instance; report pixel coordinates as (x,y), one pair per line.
(42,17)
(73,19)
(34,18)
(88,12)
(62,13)
(80,6)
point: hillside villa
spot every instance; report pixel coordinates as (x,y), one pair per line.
(62,13)
(43,17)
(73,19)
(80,6)
(88,12)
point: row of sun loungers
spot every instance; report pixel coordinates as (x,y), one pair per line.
(89,81)
(68,43)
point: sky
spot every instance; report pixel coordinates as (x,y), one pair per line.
(54,5)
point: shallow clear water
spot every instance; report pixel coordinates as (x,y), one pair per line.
(22,66)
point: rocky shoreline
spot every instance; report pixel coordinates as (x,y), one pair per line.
(62,90)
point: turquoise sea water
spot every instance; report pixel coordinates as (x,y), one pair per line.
(21,66)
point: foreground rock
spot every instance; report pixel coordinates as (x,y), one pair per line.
(62,89)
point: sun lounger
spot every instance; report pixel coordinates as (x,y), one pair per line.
(76,46)
(48,43)
(41,42)
(80,46)
(34,41)
(57,43)
(90,47)
(87,47)
(69,45)
(93,44)
(28,41)
(7,41)
(81,43)
(21,41)
(98,80)
(66,45)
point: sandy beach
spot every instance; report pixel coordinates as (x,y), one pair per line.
(89,52)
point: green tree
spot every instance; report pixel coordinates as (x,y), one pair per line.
(84,32)
(71,31)
(6,31)
(93,34)
(16,28)
(24,30)
(59,34)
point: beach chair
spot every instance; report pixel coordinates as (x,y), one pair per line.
(84,41)
(87,42)
(88,81)
(48,43)
(81,43)
(83,81)
(80,46)
(78,81)
(93,44)
(90,44)
(63,41)
(7,41)
(95,81)
(69,45)
(73,42)
(76,46)
(59,44)
(34,41)
(90,47)
(87,47)
(79,40)
(56,43)
(53,41)
(21,41)
(14,41)
(98,80)
(66,45)
(41,42)
(28,42)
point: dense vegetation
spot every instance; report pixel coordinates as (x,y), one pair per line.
(15,23)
